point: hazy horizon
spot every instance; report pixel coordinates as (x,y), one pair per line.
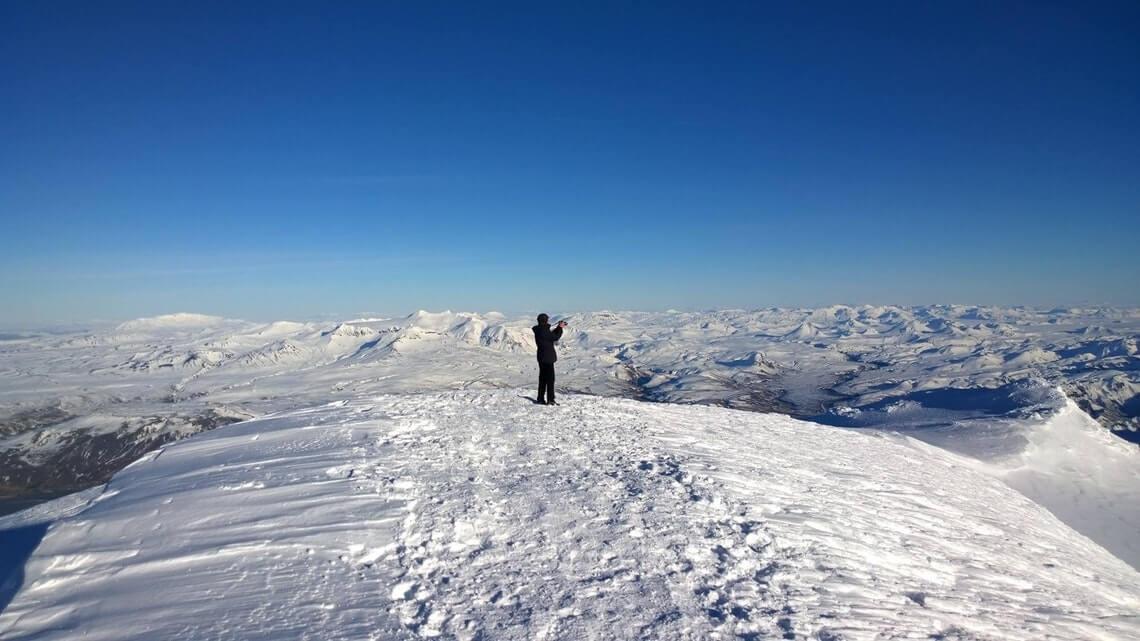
(101,323)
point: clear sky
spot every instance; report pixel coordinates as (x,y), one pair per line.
(275,160)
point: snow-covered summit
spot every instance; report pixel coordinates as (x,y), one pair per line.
(477,515)
(180,320)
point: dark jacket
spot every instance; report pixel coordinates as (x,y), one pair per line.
(545,338)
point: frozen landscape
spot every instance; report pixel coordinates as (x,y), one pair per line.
(939,472)
(471,515)
(221,419)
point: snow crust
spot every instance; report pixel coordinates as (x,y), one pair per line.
(477,515)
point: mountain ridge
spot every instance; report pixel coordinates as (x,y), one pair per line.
(465,514)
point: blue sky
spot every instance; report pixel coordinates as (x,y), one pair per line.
(308,159)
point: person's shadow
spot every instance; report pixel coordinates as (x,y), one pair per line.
(532,399)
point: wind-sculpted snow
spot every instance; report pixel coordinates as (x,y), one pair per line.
(477,515)
(982,382)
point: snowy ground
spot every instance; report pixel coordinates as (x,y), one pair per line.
(992,384)
(477,515)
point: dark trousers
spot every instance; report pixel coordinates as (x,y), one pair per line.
(546,382)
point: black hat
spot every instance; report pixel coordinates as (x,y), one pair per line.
(543,319)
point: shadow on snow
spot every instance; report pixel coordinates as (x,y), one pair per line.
(16,546)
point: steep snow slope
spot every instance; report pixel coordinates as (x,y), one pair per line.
(1038,441)
(476,515)
(1083,475)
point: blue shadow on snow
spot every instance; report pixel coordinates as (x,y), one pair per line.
(16,546)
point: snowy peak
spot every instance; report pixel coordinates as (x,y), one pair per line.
(280,328)
(508,338)
(277,353)
(491,330)
(804,331)
(439,322)
(1031,356)
(831,315)
(348,331)
(179,321)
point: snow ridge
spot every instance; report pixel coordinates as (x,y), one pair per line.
(476,515)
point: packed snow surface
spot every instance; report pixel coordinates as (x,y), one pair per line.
(478,515)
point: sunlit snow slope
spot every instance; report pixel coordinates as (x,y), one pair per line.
(477,515)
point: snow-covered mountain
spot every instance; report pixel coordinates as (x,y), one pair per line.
(982,382)
(477,515)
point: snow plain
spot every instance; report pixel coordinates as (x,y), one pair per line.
(476,515)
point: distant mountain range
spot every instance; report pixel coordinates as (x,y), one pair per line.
(75,408)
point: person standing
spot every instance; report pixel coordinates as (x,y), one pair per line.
(544,339)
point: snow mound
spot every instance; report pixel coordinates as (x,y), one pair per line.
(463,329)
(803,331)
(283,351)
(438,322)
(170,359)
(511,339)
(181,320)
(478,515)
(1031,356)
(349,331)
(468,330)
(914,327)
(750,360)
(831,315)
(280,328)
(1050,472)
